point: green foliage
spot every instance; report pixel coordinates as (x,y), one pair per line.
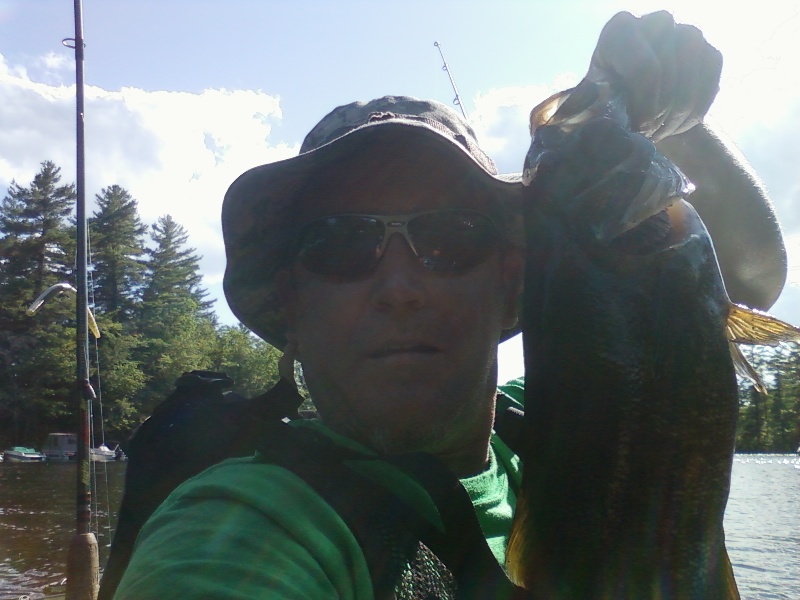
(37,243)
(250,361)
(177,340)
(152,310)
(37,357)
(173,270)
(173,316)
(116,376)
(771,423)
(117,243)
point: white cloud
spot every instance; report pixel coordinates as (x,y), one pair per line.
(175,152)
(58,65)
(501,115)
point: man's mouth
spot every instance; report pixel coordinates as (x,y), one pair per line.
(405,349)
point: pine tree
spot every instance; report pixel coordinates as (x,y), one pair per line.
(38,244)
(770,422)
(116,377)
(173,272)
(118,248)
(174,318)
(37,354)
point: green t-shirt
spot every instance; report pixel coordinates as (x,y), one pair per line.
(247,529)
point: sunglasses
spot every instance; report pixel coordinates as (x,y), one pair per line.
(450,241)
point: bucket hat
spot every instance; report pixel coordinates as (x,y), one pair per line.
(257,212)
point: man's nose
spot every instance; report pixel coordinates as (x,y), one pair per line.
(398,280)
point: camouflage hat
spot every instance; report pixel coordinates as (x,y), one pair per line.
(258,206)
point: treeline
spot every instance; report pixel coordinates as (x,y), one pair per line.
(157,322)
(146,292)
(771,423)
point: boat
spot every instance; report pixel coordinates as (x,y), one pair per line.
(23,454)
(102,454)
(63,447)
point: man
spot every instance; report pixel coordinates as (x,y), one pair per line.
(386,259)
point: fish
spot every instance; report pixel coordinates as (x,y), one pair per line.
(630,348)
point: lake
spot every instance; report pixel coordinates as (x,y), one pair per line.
(37,515)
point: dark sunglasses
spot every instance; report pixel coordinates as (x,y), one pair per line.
(450,241)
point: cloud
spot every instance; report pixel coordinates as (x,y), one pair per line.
(175,152)
(501,115)
(54,68)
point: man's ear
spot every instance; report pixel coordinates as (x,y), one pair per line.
(513,272)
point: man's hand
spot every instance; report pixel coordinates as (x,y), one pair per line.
(604,180)
(669,72)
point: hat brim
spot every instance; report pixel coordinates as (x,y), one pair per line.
(737,212)
(257,205)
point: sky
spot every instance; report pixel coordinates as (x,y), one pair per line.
(184,95)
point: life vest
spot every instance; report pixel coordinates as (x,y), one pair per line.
(199,425)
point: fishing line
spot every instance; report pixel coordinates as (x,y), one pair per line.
(99,393)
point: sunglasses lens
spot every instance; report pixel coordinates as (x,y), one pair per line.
(340,245)
(453,241)
(349,246)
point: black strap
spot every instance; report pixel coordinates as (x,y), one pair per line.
(198,425)
(510,426)
(462,545)
(388,529)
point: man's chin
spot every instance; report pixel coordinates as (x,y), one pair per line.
(424,428)
(386,440)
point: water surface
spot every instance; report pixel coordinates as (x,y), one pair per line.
(762,525)
(37,521)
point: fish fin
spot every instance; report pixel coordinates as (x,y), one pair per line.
(544,111)
(732,591)
(573,107)
(750,326)
(745,369)
(517,549)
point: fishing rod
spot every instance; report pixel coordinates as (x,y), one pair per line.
(59,289)
(83,563)
(446,69)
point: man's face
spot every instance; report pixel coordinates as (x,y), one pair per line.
(404,358)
